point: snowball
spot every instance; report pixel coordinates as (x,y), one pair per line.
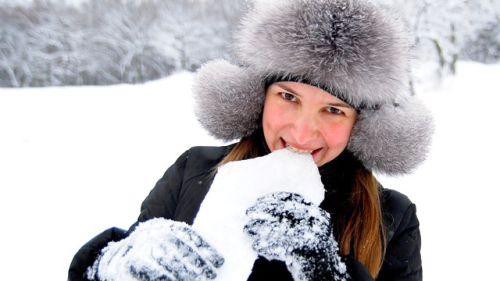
(236,187)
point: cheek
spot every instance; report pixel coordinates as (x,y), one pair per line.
(337,136)
(273,115)
(274,120)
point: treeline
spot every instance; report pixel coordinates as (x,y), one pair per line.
(445,31)
(101,42)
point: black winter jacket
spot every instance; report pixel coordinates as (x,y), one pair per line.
(179,193)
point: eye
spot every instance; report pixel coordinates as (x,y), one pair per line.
(334,110)
(288,96)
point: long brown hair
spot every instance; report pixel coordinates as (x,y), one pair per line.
(362,232)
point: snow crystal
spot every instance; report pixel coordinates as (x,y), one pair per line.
(240,183)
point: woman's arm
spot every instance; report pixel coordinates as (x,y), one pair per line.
(159,203)
(176,196)
(87,254)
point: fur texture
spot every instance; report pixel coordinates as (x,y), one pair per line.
(350,48)
(229,99)
(394,138)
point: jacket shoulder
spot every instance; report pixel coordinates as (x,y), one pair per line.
(394,207)
(178,194)
(403,259)
(202,159)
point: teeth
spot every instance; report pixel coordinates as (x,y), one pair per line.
(298,150)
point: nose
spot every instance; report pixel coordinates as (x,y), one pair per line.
(304,130)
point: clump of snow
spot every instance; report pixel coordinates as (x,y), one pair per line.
(236,187)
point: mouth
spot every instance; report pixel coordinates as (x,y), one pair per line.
(289,147)
(298,150)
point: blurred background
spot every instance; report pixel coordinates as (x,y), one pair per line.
(102,42)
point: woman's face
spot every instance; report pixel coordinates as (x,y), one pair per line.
(306,119)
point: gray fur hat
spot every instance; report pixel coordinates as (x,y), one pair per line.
(350,48)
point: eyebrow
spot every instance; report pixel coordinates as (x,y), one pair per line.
(337,104)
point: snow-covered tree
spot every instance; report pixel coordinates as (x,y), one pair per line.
(441,29)
(49,42)
(53,42)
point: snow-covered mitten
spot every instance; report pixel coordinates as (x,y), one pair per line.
(158,249)
(285,227)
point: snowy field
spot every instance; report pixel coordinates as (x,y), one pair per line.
(77,160)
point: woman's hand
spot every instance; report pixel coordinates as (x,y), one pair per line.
(158,249)
(285,227)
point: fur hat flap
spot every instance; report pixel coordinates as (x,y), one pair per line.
(228,99)
(393,139)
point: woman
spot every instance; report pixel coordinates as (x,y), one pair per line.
(325,77)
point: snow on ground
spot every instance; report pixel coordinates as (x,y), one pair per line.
(77,160)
